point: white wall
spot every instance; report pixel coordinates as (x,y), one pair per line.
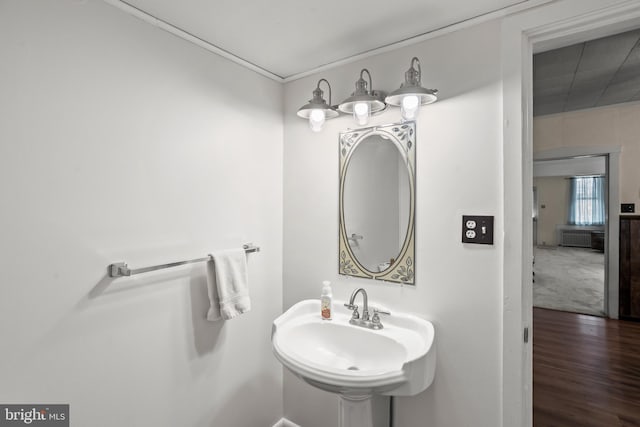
(120,142)
(458,287)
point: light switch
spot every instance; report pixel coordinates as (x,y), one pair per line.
(477,229)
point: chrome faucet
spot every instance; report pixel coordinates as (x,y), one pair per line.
(364,321)
(365,308)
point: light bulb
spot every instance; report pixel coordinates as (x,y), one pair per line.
(316,120)
(410,107)
(361,113)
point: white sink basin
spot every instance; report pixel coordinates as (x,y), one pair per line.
(333,355)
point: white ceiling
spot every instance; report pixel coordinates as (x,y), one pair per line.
(290,37)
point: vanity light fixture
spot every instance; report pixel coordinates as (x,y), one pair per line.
(411,95)
(317,110)
(363,102)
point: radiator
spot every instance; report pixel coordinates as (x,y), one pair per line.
(578,238)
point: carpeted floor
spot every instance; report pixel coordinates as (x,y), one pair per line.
(569,279)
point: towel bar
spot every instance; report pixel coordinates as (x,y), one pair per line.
(120,269)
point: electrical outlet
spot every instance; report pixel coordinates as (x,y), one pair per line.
(477,229)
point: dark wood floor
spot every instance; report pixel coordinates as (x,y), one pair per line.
(586,371)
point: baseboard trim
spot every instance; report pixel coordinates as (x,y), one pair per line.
(285,423)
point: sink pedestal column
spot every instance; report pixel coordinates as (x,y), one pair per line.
(364,411)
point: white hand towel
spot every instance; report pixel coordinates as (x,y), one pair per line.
(227,283)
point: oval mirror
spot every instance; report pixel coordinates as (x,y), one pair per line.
(377,202)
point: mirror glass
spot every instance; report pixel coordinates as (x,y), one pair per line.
(377,202)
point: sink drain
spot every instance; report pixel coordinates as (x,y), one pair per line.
(353,368)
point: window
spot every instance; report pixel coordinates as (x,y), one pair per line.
(586,203)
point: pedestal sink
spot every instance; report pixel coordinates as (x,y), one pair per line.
(353,361)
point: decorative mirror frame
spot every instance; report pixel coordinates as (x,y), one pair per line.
(402,270)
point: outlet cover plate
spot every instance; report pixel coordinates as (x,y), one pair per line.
(477,229)
(628,207)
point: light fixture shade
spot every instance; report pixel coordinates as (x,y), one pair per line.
(362,95)
(374,103)
(317,110)
(305,110)
(412,86)
(425,96)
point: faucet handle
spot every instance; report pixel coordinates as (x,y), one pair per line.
(376,318)
(353,307)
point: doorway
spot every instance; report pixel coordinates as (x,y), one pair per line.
(577,234)
(569,233)
(555,25)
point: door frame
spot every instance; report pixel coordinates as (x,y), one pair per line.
(553,25)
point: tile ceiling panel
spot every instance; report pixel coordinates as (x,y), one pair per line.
(583,99)
(623,91)
(558,63)
(608,52)
(594,73)
(554,86)
(626,83)
(549,104)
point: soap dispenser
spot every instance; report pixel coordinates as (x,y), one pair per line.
(326,301)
